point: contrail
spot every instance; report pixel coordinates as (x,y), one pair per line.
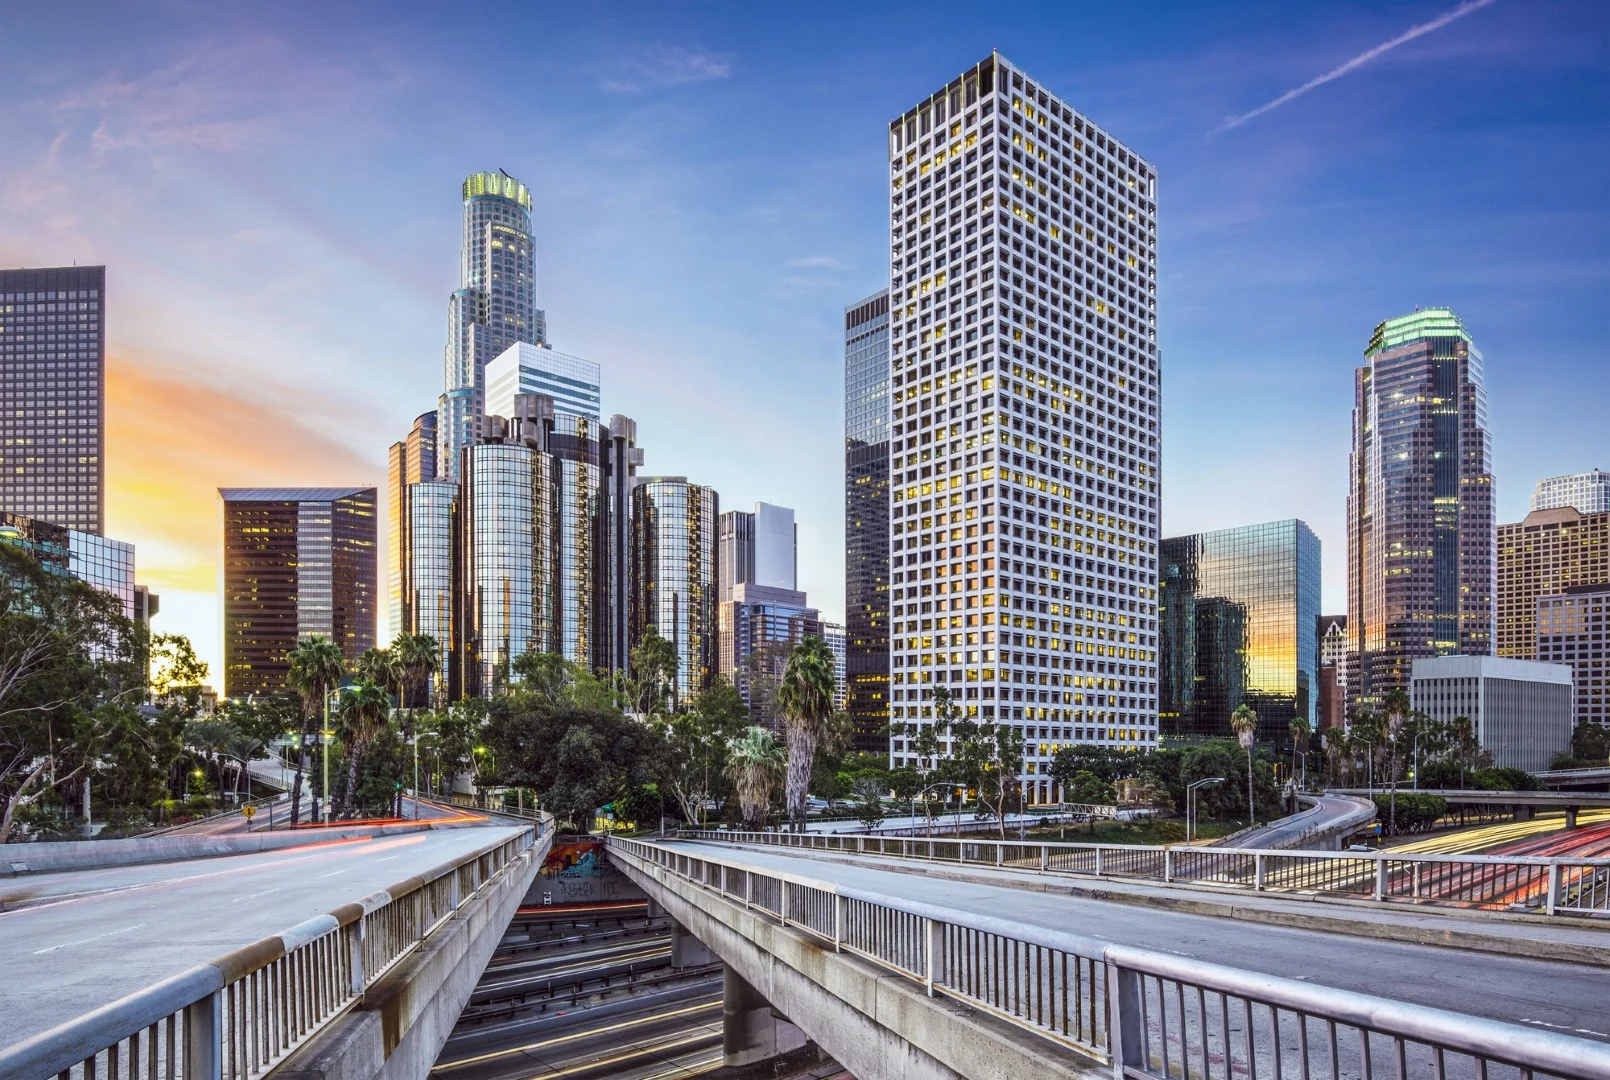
(1357,62)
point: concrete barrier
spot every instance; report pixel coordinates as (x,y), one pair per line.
(17,860)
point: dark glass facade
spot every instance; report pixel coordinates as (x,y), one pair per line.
(296,561)
(411,461)
(106,564)
(1237,613)
(866,519)
(674,579)
(53,395)
(757,617)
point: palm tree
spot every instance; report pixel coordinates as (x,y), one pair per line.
(363,710)
(243,747)
(415,656)
(1244,722)
(806,700)
(1395,704)
(1300,732)
(753,761)
(316,668)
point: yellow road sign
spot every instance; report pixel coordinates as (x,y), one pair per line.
(249,810)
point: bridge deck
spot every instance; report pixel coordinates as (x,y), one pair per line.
(107,933)
(1553,995)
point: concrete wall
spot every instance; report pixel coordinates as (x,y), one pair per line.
(876,1024)
(399,1028)
(577,872)
(17,859)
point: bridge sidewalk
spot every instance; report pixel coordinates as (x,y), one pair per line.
(1515,934)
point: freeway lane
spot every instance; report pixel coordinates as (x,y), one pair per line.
(64,958)
(1555,996)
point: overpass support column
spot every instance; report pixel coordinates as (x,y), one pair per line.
(751,1031)
(686,950)
(1522,812)
(1570,817)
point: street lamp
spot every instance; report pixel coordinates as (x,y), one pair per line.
(1190,801)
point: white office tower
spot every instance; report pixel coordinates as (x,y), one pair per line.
(523,368)
(1586,493)
(494,307)
(1024,422)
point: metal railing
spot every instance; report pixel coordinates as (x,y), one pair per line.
(1577,887)
(239,1016)
(1151,1015)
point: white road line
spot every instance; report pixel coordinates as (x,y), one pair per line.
(253,895)
(388,858)
(334,872)
(81,941)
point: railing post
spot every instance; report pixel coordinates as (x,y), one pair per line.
(1098,860)
(1045,858)
(1554,888)
(1380,877)
(358,935)
(204,1038)
(999,856)
(838,923)
(749,888)
(1168,865)
(1124,1004)
(1257,872)
(936,953)
(782,902)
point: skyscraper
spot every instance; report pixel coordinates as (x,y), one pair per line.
(1420,522)
(494,307)
(837,645)
(759,547)
(674,580)
(1238,612)
(53,395)
(89,557)
(1588,492)
(1573,628)
(1549,553)
(866,519)
(296,561)
(572,383)
(758,628)
(1024,434)
(410,461)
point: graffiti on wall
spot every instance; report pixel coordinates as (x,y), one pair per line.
(584,859)
(576,871)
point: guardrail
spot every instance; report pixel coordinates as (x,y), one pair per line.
(1578,887)
(259,803)
(1150,1014)
(239,1016)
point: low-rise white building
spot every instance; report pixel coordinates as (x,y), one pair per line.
(1521,709)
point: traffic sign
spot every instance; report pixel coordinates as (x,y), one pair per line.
(249,810)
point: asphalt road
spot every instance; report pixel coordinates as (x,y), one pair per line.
(114,931)
(1554,996)
(1331,808)
(277,815)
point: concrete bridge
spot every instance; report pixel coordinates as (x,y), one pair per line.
(1523,804)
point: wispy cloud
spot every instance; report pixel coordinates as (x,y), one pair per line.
(1356,62)
(661,66)
(817,262)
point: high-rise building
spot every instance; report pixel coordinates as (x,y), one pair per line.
(834,637)
(1237,616)
(433,567)
(1573,628)
(95,560)
(1548,553)
(866,519)
(759,548)
(1588,492)
(522,368)
(296,561)
(494,307)
(622,458)
(758,628)
(1420,522)
(674,579)
(410,461)
(1331,633)
(1024,434)
(53,395)
(1520,709)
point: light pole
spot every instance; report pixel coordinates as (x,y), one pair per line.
(1190,801)
(325,754)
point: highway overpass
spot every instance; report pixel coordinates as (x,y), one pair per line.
(1521,803)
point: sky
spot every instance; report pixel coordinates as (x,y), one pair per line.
(275,192)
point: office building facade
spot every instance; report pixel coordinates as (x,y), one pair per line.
(1520,709)
(494,307)
(296,562)
(759,547)
(674,578)
(523,368)
(1024,428)
(866,519)
(1588,492)
(1420,522)
(834,637)
(1548,553)
(96,560)
(411,460)
(758,627)
(1573,628)
(53,395)
(1237,615)
(1331,633)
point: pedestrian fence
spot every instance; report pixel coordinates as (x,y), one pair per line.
(239,1016)
(1552,886)
(1149,1015)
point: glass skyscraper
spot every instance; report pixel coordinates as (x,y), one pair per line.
(1420,520)
(91,558)
(410,461)
(674,583)
(296,561)
(53,395)
(1024,426)
(866,519)
(572,382)
(1237,615)
(1587,492)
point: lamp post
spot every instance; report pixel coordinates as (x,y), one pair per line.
(1190,801)
(325,754)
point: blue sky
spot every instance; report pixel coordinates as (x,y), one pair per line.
(274,190)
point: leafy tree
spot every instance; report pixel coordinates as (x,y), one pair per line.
(640,805)
(755,761)
(547,676)
(696,747)
(316,668)
(868,787)
(177,676)
(904,783)
(1590,742)
(1086,787)
(806,699)
(763,678)
(652,668)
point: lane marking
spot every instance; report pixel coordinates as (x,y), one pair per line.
(1565,1027)
(333,873)
(254,895)
(82,941)
(388,858)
